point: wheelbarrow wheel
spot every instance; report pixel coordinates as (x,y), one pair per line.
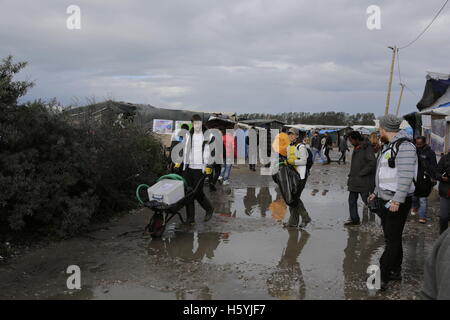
(156,226)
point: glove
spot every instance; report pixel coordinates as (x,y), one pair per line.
(208,171)
(177,165)
(291,161)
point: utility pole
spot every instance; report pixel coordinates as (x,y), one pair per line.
(394,52)
(400,99)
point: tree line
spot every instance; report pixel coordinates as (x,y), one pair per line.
(322,118)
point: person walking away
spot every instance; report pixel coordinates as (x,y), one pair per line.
(361,180)
(297,153)
(343,148)
(316,146)
(252,157)
(394,187)
(216,169)
(443,175)
(427,158)
(195,165)
(230,153)
(328,146)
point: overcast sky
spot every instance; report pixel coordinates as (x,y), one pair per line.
(226,55)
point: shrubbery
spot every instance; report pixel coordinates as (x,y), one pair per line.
(56,177)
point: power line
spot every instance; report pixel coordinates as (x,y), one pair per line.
(427,27)
(415,94)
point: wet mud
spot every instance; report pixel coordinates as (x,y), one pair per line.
(243,252)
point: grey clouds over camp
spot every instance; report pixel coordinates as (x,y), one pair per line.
(245,56)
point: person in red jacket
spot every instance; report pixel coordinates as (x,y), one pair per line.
(229,146)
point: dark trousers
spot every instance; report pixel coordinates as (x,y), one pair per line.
(342,158)
(297,209)
(215,175)
(193,177)
(327,154)
(393,224)
(353,203)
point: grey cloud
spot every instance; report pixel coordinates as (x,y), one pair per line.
(236,55)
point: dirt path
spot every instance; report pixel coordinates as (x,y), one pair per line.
(242,253)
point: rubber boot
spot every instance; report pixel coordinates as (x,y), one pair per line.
(294,218)
(190,213)
(305,216)
(207,206)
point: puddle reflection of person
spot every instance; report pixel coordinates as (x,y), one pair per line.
(264,200)
(357,257)
(182,246)
(288,275)
(249,200)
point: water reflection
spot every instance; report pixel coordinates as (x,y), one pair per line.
(287,281)
(357,257)
(264,199)
(189,246)
(250,201)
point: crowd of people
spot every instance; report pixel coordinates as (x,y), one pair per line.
(391,172)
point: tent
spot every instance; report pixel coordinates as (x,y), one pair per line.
(435,103)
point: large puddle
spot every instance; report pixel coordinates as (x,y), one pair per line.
(242,253)
(326,260)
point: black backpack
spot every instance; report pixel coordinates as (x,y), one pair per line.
(423,183)
(310,161)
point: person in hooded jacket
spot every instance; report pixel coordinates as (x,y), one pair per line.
(361,179)
(427,157)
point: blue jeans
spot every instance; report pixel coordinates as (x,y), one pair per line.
(226,171)
(353,203)
(316,152)
(422,205)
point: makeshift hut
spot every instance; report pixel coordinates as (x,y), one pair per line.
(435,110)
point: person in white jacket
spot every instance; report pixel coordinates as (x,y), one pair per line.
(297,156)
(195,165)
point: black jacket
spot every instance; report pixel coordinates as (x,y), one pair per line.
(443,168)
(427,157)
(362,169)
(315,142)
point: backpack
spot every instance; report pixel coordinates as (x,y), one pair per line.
(422,182)
(310,161)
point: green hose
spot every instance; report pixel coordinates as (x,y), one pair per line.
(172,176)
(137,192)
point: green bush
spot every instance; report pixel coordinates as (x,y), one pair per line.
(56,178)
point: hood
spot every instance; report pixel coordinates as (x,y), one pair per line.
(401,134)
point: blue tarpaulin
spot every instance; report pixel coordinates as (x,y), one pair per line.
(326,131)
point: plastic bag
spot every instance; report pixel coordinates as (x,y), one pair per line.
(288,180)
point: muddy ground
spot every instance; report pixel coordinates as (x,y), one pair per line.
(241,253)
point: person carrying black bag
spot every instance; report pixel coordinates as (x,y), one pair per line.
(297,157)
